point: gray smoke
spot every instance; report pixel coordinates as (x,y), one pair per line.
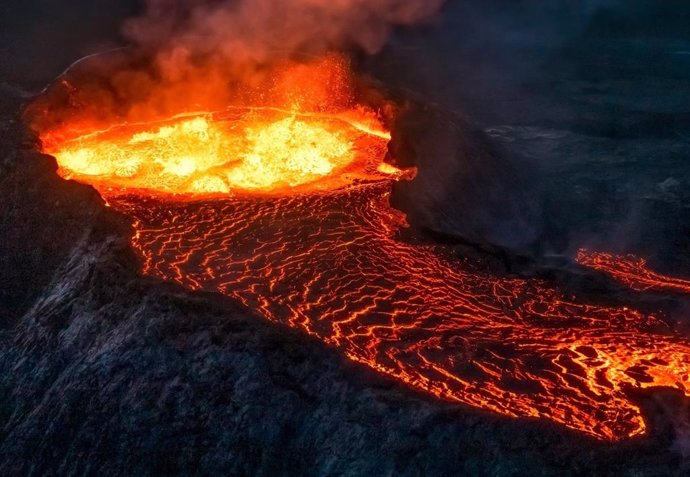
(256,31)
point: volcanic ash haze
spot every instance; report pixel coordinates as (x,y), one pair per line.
(262,31)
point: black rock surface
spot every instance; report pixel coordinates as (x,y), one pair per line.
(465,186)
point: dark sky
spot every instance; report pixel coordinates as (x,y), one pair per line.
(38,38)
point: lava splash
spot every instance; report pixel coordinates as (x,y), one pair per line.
(288,213)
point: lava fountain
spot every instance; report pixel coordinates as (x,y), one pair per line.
(284,207)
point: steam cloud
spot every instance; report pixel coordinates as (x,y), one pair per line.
(258,31)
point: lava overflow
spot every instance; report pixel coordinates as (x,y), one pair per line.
(287,211)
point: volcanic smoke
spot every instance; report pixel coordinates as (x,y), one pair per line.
(254,171)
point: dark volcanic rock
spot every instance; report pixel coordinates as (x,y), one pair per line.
(465,186)
(103,372)
(35,200)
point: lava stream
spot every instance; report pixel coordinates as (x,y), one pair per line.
(631,271)
(322,254)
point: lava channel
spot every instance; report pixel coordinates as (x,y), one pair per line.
(289,214)
(632,272)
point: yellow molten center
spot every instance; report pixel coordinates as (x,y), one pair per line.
(204,155)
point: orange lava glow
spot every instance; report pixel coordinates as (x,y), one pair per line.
(239,150)
(286,210)
(632,271)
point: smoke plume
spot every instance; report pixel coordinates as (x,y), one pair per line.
(191,55)
(247,34)
(258,30)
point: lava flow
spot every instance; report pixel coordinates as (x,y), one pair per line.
(632,272)
(287,211)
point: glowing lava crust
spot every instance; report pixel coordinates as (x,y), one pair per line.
(632,272)
(289,214)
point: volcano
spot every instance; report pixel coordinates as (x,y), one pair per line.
(248,243)
(288,212)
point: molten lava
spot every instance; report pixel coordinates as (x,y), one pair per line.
(632,271)
(287,211)
(237,150)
